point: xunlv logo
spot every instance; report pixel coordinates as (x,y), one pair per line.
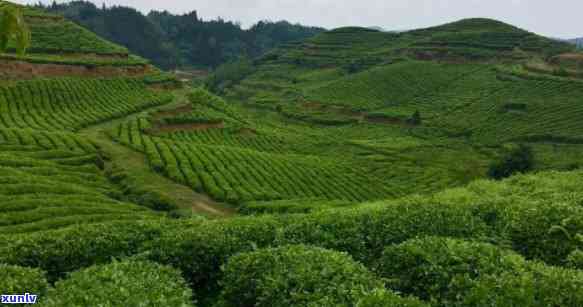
(18,299)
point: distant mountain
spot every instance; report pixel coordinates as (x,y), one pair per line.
(377,28)
(577,41)
(173,41)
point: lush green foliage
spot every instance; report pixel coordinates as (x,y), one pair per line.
(381,297)
(61,251)
(442,270)
(129,283)
(540,285)
(518,160)
(293,206)
(18,280)
(294,276)
(228,74)
(13,27)
(519,211)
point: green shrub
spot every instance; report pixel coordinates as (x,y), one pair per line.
(517,160)
(442,270)
(131,283)
(537,215)
(545,231)
(362,232)
(540,286)
(415,119)
(575,260)
(382,297)
(20,280)
(152,200)
(70,249)
(201,250)
(229,74)
(294,276)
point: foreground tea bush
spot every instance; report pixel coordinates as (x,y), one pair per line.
(294,276)
(382,297)
(539,286)
(20,280)
(575,260)
(70,249)
(201,250)
(442,270)
(122,284)
(538,214)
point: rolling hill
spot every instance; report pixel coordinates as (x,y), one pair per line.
(349,169)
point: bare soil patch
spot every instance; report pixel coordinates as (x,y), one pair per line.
(387,120)
(187,108)
(348,112)
(570,56)
(247,132)
(26,70)
(313,105)
(187,127)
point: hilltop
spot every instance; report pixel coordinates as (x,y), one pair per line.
(353,168)
(465,40)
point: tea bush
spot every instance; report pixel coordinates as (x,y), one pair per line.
(539,285)
(71,104)
(294,276)
(20,280)
(382,297)
(441,270)
(61,251)
(201,250)
(129,283)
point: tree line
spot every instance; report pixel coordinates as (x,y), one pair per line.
(176,41)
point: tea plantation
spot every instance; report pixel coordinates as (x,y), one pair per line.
(349,169)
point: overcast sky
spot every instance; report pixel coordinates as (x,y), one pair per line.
(557,18)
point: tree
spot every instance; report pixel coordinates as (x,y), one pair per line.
(13,27)
(517,160)
(415,119)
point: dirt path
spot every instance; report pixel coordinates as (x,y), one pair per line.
(135,163)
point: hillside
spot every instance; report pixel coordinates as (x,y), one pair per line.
(60,47)
(348,169)
(361,88)
(180,41)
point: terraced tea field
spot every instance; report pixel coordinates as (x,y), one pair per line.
(357,157)
(71,104)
